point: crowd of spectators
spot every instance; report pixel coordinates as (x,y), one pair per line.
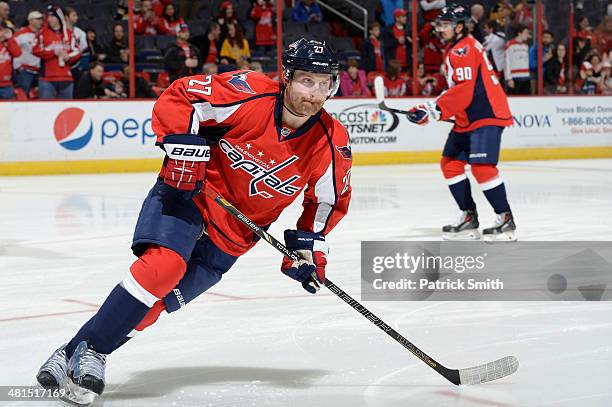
(76,63)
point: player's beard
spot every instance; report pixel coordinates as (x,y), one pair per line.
(309,106)
(303,104)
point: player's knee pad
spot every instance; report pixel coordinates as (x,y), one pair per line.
(484,172)
(452,168)
(152,315)
(155,273)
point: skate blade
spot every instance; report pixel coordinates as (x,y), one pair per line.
(464,235)
(78,396)
(506,237)
(60,400)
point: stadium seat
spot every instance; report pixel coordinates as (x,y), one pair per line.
(249,30)
(19,11)
(150,55)
(286,14)
(319,31)
(148,67)
(164,41)
(112,67)
(100,12)
(294,29)
(198,27)
(348,55)
(226,68)
(144,41)
(205,14)
(340,44)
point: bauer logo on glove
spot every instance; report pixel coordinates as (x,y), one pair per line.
(312,250)
(196,153)
(185,167)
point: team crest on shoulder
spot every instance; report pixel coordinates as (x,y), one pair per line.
(461,52)
(240,83)
(345,151)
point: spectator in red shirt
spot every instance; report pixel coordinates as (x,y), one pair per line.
(57,49)
(159,6)
(433,48)
(170,22)
(429,84)
(263,16)
(395,85)
(147,23)
(9,49)
(353,81)
(396,39)
(372,55)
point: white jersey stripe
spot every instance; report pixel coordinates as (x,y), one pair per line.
(490,184)
(204,111)
(326,198)
(137,291)
(456,180)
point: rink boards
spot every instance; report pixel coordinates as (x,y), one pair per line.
(116,136)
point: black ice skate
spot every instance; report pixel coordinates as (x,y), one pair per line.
(465,228)
(86,375)
(503,230)
(54,372)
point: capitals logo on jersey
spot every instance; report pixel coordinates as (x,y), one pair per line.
(345,151)
(461,52)
(261,173)
(239,82)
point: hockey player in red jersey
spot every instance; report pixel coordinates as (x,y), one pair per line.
(479,105)
(256,143)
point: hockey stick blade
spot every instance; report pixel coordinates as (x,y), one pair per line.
(490,371)
(473,375)
(379,89)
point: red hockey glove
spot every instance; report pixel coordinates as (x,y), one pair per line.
(422,113)
(310,269)
(186,164)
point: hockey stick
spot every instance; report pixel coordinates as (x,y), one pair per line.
(379,90)
(471,375)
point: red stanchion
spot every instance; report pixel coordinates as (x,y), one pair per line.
(415,50)
(132,47)
(540,53)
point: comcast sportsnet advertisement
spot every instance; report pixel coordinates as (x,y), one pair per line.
(79,131)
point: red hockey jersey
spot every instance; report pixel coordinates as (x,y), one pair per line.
(45,47)
(8,50)
(474,96)
(257,163)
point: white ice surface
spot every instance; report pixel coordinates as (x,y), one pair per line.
(258,339)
